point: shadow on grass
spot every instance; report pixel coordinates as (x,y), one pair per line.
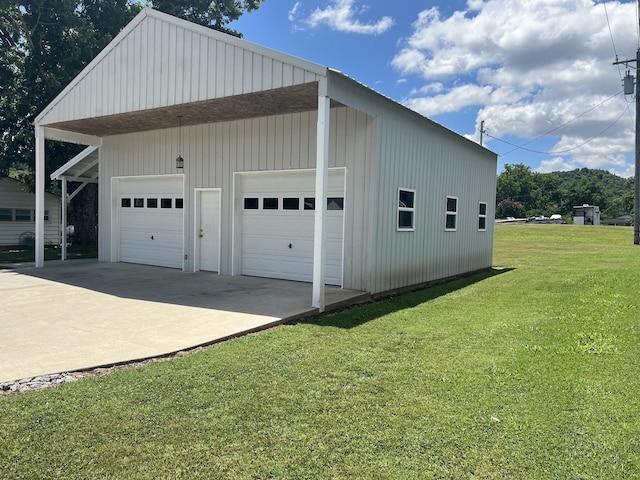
(355,316)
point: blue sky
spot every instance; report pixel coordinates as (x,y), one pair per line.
(538,72)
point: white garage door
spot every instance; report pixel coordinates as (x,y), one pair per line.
(278,212)
(151,212)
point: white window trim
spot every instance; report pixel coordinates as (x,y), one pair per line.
(480,215)
(406,209)
(454,213)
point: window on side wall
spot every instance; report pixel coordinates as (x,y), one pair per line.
(406,210)
(451,217)
(482,217)
(23,215)
(6,214)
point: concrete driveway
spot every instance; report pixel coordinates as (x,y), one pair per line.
(81,314)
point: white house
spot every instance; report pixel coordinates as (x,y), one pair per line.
(17,214)
(291,170)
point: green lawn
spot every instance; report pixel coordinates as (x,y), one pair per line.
(22,254)
(531,372)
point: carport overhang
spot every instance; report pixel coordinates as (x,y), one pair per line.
(90,131)
(83,169)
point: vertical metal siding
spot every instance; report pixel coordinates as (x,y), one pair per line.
(383,146)
(435,163)
(160,64)
(213,152)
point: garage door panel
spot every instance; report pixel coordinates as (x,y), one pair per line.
(139,253)
(277,246)
(151,235)
(291,269)
(150,222)
(153,239)
(266,234)
(295,268)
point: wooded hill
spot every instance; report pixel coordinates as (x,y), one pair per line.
(523,193)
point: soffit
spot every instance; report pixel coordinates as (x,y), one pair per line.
(297,98)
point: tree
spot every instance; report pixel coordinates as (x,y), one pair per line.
(510,208)
(44,44)
(545,196)
(585,189)
(216,15)
(516,182)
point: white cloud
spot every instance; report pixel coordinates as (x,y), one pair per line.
(293,12)
(529,66)
(557,164)
(341,15)
(454,100)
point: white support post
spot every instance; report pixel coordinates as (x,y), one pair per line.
(63,254)
(40,163)
(322,177)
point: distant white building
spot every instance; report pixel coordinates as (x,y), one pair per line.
(586,215)
(17,215)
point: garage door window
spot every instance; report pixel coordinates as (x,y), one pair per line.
(125,202)
(152,203)
(310,203)
(166,203)
(138,202)
(291,203)
(179,203)
(251,203)
(335,203)
(270,203)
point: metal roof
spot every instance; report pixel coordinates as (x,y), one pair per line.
(81,168)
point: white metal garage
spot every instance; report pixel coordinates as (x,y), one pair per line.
(286,115)
(277,225)
(150,220)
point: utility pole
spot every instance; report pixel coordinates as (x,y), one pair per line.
(482,130)
(636,180)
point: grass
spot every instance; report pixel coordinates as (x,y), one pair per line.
(23,254)
(527,373)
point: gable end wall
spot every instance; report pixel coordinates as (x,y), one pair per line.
(164,61)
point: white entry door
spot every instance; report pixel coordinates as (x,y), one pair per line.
(208,230)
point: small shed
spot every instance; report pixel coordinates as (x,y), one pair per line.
(586,214)
(18,215)
(214,153)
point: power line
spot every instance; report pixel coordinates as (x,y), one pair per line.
(638,24)
(613,43)
(606,13)
(522,147)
